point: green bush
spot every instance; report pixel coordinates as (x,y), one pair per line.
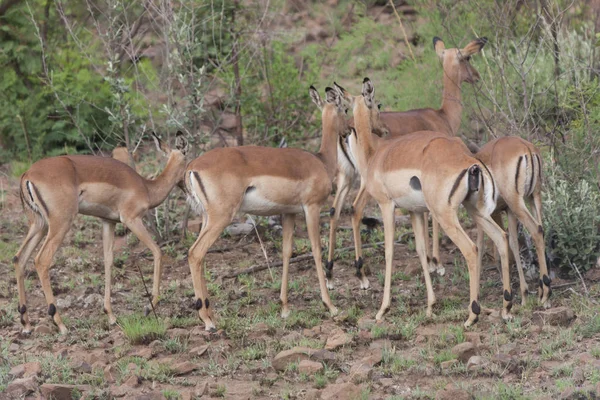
(571,218)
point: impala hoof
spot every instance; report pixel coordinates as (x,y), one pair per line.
(329,284)
(285,312)
(364,283)
(334,311)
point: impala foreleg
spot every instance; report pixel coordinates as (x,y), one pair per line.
(108,239)
(358,208)
(418,223)
(287,222)
(387,213)
(312,225)
(36,233)
(344,182)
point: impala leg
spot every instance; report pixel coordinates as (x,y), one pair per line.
(450,224)
(108,239)
(497,217)
(43,261)
(537,233)
(387,213)
(36,233)
(513,241)
(312,225)
(137,227)
(480,249)
(344,183)
(418,222)
(426,237)
(435,237)
(358,208)
(287,222)
(500,239)
(210,232)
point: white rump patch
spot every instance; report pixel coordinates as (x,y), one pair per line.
(193,197)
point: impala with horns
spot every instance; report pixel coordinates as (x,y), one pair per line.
(457,69)
(265,181)
(54,190)
(424,171)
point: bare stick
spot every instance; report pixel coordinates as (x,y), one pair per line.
(580,277)
(403,31)
(147,292)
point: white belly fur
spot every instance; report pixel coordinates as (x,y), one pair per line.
(271,195)
(255,203)
(403,195)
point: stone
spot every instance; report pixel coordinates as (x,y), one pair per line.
(184,368)
(62,392)
(341,391)
(297,354)
(93,300)
(505,361)
(133,381)
(464,351)
(239,229)
(81,366)
(43,329)
(64,303)
(142,352)
(473,337)
(453,394)
(361,372)
(337,339)
(309,367)
(110,374)
(178,333)
(446,365)
(476,362)
(121,391)
(199,350)
(558,316)
(26,370)
(20,388)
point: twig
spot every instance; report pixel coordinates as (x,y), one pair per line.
(587,293)
(262,247)
(146,289)
(403,31)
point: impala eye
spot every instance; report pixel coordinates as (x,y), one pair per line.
(379,106)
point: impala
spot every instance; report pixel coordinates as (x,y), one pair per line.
(54,190)
(264,181)
(457,69)
(427,171)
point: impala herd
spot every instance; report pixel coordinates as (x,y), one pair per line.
(412,160)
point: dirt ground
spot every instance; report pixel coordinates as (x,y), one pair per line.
(255,354)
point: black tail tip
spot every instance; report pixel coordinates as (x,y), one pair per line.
(482,40)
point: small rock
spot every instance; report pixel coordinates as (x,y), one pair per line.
(239,229)
(64,303)
(464,351)
(579,376)
(183,368)
(43,329)
(13,348)
(199,351)
(309,367)
(178,333)
(81,366)
(341,391)
(142,352)
(297,354)
(19,388)
(453,394)
(559,316)
(338,338)
(505,361)
(509,348)
(93,300)
(26,370)
(475,362)
(473,337)
(133,381)
(446,365)
(62,392)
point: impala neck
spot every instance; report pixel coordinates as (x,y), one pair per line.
(451,101)
(364,137)
(328,151)
(159,188)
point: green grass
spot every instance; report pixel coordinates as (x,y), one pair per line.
(176,345)
(590,328)
(142,330)
(171,394)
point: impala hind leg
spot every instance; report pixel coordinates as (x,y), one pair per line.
(37,230)
(418,222)
(343,187)
(56,234)
(450,224)
(358,208)
(108,239)
(312,225)
(435,238)
(287,223)
(212,227)
(387,213)
(513,241)
(500,239)
(136,226)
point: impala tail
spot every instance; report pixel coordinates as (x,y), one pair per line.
(528,173)
(196,192)
(31,200)
(476,185)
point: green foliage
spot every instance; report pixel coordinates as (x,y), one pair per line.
(142,330)
(571,218)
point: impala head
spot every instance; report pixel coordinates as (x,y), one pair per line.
(181,145)
(364,105)
(333,109)
(456,62)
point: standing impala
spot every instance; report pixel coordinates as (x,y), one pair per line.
(457,69)
(54,190)
(427,171)
(264,181)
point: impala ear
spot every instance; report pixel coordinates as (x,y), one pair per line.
(473,47)
(439,46)
(160,145)
(314,95)
(368,92)
(181,142)
(333,97)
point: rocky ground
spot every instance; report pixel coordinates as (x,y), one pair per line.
(551,353)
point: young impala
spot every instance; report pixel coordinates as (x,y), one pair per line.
(424,171)
(54,190)
(457,69)
(264,181)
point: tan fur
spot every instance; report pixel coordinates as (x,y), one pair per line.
(55,190)
(264,181)
(441,165)
(122,154)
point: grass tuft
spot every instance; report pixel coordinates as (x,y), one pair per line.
(142,330)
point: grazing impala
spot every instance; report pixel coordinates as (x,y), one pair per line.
(427,171)
(264,181)
(457,69)
(54,190)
